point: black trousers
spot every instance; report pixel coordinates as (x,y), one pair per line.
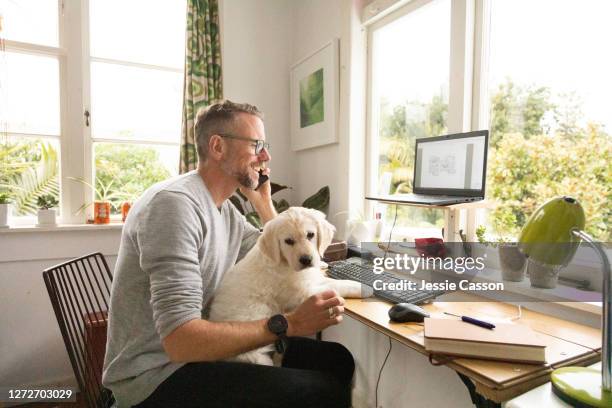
(313,374)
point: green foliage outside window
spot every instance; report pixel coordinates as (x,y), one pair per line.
(30,168)
(127,170)
(542,147)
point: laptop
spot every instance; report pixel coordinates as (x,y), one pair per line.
(448,169)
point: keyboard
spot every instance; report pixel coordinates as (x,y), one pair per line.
(364,274)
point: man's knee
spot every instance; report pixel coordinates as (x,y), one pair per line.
(344,361)
(330,357)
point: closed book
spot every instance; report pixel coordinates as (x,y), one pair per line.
(507,341)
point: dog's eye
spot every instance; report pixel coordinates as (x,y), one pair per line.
(310,235)
(289,241)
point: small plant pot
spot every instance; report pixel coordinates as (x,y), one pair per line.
(125,208)
(361,231)
(475,250)
(4,214)
(102,210)
(542,275)
(512,263)
(46,217)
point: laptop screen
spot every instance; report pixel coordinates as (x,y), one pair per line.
(452,164)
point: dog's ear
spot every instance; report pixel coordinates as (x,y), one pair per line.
(268,242)
(325,231)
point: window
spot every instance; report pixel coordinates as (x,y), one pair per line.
(105,111)
(30,129)
(548,94)
(439,67)
(136,136)
(409,100)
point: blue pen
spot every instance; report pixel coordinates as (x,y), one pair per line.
(473,321)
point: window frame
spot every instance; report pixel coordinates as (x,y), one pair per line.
(464,111)
(75,139)
(60,53)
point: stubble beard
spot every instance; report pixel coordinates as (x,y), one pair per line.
(241,175)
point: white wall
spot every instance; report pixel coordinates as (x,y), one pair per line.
(256,54)
(316,22)
(261,40)
(31,348)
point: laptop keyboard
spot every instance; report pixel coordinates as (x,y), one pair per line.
(365,275)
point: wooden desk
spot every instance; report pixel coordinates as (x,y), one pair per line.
(492,382)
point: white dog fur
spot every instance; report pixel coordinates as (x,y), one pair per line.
(270,279)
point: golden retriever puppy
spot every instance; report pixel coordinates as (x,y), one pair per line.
(279,273)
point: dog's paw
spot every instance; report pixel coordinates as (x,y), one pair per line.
(366,291)
(355,290)
(263,359)
(260,356)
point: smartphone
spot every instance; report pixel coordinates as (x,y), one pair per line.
(262,179)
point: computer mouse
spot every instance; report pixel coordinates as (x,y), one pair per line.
(407,312)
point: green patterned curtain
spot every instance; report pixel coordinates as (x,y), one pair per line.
(203,83)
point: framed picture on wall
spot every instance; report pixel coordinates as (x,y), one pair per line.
(314,98)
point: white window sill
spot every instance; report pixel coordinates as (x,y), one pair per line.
(62,228)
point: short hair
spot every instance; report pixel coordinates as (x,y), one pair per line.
(219,118)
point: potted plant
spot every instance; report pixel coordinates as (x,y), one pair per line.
(5,201)
(46,209)
(358,229)
(318,201)
(103,201)
(511,260)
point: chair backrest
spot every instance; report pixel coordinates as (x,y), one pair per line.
(79,291)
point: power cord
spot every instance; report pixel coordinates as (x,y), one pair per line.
(383,365)
(520,313)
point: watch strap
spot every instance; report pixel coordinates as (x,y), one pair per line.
(281,344)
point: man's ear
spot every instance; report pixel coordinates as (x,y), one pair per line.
(216,147)
(325,231)
(269,243)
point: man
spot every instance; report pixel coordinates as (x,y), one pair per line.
(178,239)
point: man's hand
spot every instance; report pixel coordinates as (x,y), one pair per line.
(261,199)
(314,314)
(263,194)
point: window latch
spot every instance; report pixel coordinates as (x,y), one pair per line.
(87,118)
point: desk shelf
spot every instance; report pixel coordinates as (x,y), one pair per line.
(451,215)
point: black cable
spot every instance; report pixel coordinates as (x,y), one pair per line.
(390,343)
(384,362)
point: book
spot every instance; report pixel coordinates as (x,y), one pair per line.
(506,342)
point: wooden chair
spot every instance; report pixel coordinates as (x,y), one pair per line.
(79,291)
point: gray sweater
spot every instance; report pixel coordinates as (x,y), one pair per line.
(175,246)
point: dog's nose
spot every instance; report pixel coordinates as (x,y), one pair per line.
(306,260)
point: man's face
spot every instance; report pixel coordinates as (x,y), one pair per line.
(241,162)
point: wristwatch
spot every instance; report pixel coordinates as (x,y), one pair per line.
(278,325)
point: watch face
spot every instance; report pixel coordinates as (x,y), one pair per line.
(277,324)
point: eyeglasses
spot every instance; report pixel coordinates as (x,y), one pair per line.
(257,143)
